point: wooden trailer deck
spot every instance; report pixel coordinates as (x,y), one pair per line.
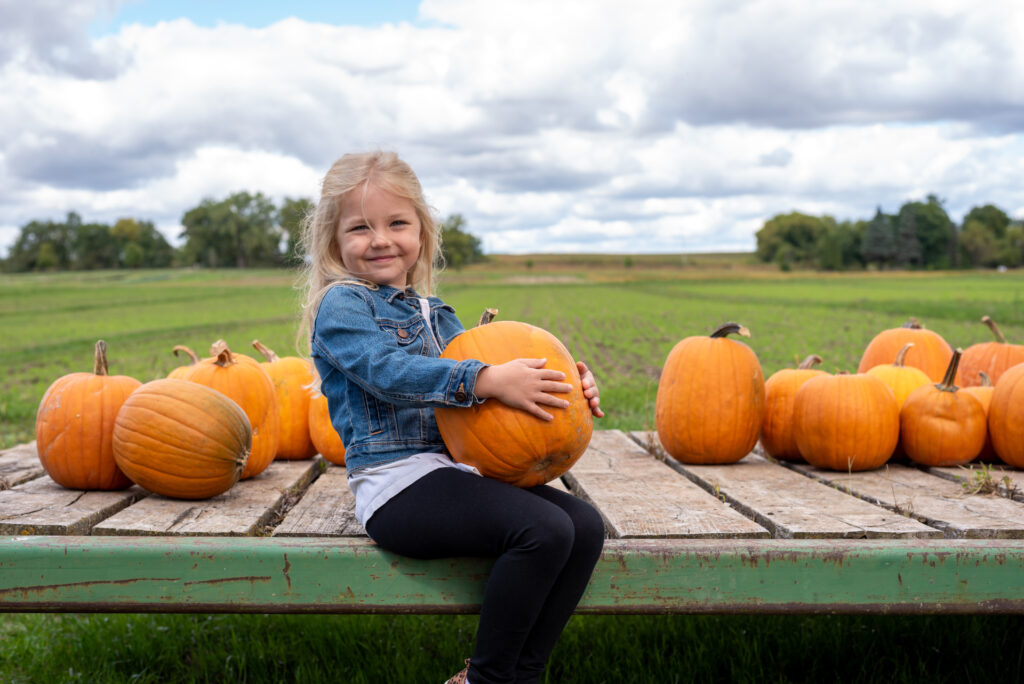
(755,536)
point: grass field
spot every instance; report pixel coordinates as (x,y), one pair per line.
(622,317)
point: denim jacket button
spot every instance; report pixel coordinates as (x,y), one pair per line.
(460,396)
(403,334)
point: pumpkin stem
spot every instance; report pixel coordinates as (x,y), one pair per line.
(948,382)
(182,349)
(913,324)
(994,328)
(985,380)
(730,329)
(99,360)
(487,316)
(220,350)
(810,362)
(268,354)
(901,356)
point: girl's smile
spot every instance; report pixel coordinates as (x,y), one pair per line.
(379,235)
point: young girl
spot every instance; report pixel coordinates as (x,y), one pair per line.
(376,337)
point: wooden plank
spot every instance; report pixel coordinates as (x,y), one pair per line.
(1009,481)
(19,464)
(933,500)
(677,576)
(327,509)
(789,504)
(242,510)
(41,506)
(639,496)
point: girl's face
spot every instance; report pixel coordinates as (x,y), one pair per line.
(379,235)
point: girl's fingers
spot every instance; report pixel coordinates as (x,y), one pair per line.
(556,387)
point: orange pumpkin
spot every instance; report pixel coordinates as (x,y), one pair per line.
(899,377)
(291,377)
(930,353)
(991,357)
(846,422)
(941,426)
(506,443)
(181,439)
(1006,417)
(181,371)
(242,380)
(983,393)
(710,402)
(74,423)
(325,438)
(779,390)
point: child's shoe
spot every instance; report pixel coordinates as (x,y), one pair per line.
(460,677)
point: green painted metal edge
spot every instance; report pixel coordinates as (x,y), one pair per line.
(317,575)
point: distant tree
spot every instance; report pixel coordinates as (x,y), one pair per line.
(934,231)
(878,245)
(240,231)
(1011,248)
(291,216)
(92,247)
(789,239)
(43,245)
(140,244)
(908,247)
(991,217)
(459,246)
(978,245)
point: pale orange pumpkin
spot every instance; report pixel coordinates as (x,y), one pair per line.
(1006,417)
(846,422)
(243,380)
(506,443)
(991,357)
(181,439)
(710,402)
(941,426)
(779,391)
(983,393)
(74,424)
(930,353)
(292,377)
(899,377)
(181,371)
(325,438)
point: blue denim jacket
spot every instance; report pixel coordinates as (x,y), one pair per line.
(381,371)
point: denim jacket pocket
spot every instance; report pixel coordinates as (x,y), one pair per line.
(408,334)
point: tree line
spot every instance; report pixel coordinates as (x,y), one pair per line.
(919,235)
(242,230)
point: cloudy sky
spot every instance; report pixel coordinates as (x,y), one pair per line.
(551,125)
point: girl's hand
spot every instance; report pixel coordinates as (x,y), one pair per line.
(590,389)
(524,384)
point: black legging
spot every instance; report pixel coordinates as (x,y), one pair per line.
(546,543)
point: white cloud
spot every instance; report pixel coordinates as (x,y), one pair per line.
(568,126)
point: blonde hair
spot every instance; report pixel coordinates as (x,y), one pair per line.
(319,242)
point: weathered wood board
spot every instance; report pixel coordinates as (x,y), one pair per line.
(41,506)
(791,505)
(242,510)
(1012,486)
(19,464)
(936,501)
(327,509)
(640,497)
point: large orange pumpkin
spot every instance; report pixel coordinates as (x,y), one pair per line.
(74,423)
(181,371)
(1006,417)
(506,443)
(779,390)
(983,393)
(710,402)
(930,353)
(941,426)
(292,377)
(181,439)
(243,380)
(325,438)
(991,357)
(846,422)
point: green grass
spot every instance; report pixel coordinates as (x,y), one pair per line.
(622,320)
